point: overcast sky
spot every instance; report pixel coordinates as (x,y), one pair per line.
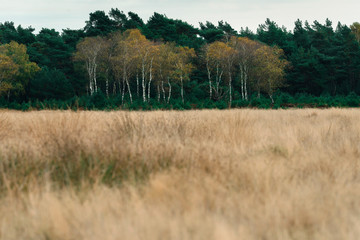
(62,14)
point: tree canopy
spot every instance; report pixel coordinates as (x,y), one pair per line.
(163,59)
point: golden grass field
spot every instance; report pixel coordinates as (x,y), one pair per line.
(233,174)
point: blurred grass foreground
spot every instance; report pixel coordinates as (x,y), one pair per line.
(211,174)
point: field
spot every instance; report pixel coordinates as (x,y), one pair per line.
(234,174)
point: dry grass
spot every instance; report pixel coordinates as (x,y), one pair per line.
(239,174)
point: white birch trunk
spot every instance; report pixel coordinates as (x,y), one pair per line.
(95,83)
(128,86)
(246,80)
(122,93)
(169,91)
(218,82)
(271,97)
(137,84)
(242,82)
(163,90)
(143,81)
(150,78)
(90,73)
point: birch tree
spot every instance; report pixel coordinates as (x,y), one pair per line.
(88,51)
(153,52)
(184,66)
(208,60)
(270,69)
(106,55)
(219,58)
(245,61)
(165,70)
(214,58)
(123,62)
(142,49)
(229,59)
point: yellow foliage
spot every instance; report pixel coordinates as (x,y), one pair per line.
(15,67)
(183,61)
(165,61)
(355,27)
(215,51)
(8,68)
(270,68)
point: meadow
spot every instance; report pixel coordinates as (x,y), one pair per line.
(210,174)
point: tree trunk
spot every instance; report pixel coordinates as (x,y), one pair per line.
(95,82)
(242,82)
(107,83)
(91,88)
(182,89)
(270,92)
(169,91)
(90,74)
(137,84)
(158,93)
(245,84)
(120,86)
(150,78)
(128,86)
(114,88)
(91,81)
(271,97)
(230,90)
(217,79)
(122,93)
(143,82)
(209,77)
(218,82)
(163,90)
(126,81)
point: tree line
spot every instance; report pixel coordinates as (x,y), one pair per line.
(167,60)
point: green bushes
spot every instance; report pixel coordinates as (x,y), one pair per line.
(99,101)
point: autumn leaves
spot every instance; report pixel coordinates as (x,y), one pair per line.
(132,60)
(256,66)
(128,60)
(15,69)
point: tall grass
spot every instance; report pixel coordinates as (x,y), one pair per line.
(234,174)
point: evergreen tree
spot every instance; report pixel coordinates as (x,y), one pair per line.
(99,24)
(51,84)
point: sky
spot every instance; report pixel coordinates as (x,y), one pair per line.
(62,14)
